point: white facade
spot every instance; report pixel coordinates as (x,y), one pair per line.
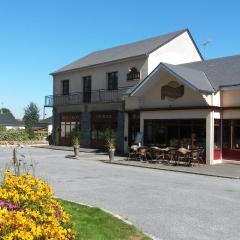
(14,127)
(178,51)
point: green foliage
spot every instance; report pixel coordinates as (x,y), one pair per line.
(2,128)
(6,111)
(31,117)
(13,135)
(110,143)
(75,135)
(76,142)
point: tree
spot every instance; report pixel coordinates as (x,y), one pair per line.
(31,117)
(6,111)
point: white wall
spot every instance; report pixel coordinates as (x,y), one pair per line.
(231,97)
(151,98)
(179,50)
(15,127)
(99,77)
(231,114)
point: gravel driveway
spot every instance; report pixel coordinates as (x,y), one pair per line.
(168,205)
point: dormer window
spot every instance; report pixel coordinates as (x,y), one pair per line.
(133,74)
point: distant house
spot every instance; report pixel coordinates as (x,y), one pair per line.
(10,122)
(44,125)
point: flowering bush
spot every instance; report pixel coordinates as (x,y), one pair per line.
(28,210)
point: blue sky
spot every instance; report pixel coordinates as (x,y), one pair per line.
(38,37)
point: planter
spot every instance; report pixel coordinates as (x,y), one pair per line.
(111,154)
(76,151)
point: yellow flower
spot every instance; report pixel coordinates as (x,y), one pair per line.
(36,214)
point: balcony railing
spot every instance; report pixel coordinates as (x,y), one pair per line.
(97,96)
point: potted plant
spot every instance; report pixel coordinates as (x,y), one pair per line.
(76,145)
(111,146)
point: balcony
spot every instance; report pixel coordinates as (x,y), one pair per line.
(97,96)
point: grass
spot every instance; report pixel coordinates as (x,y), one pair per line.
(95,224)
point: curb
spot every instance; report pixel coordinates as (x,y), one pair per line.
(114,215)
(175,170)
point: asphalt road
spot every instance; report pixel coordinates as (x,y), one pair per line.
(168,205)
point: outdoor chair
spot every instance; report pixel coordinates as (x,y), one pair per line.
(142,154)
(170,154)
(201,155)
(132,152)
(183,156)
(194,157)
(156,154)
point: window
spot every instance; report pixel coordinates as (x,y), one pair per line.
(133,74)
(70,125)
(112,78)
(65,87)
(176,133)
(87,88)
(231,134)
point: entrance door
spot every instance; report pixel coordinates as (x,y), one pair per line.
(87,88)
(103,125)
(70,124)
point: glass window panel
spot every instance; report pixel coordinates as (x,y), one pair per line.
(226,134)
(63,130)
(236,139)
(68,130)
(217,134)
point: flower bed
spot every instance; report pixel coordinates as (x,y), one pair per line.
(29,211)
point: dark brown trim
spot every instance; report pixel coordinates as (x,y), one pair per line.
(195,45)
(231,108)
(212,108)
(99,64)
(178,108)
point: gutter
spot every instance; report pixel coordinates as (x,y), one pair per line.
(229,86)
(98,64)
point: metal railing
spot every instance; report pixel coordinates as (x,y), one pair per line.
(96,96)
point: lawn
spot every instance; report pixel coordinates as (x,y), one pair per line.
(95,224)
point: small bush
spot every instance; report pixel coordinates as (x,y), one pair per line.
(29,211)
(13,135)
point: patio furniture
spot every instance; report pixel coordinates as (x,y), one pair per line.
(201,155)
(169,154)
(194,156)
(156,154)
(132,153)
(183,156)
(142,153)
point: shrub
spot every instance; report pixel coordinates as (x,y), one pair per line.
(10,136)
(29,211)
(13,135)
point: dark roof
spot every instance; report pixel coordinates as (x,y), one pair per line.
(205,76)
(220,72)
(46,121)
(135,49)
(8,120)
(195,78)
